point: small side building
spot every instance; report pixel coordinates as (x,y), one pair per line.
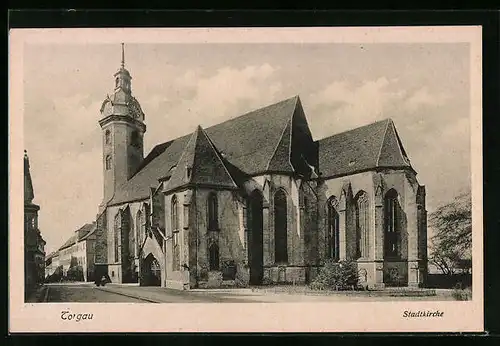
(78,252)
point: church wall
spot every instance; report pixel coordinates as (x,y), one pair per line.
(294,270)
(176,276)
(334,188)
(115,268)
(229,237)
(309,225)
(375,269)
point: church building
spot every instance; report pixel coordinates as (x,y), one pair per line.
(255,200)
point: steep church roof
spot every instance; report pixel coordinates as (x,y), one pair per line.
(200,164)
(249,142)
(376,145)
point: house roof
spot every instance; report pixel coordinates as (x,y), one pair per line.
(376,145)
(249,142)
(80,234)
(204,163)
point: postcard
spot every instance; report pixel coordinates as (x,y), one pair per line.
(324,179)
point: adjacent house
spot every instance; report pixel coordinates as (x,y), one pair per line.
(34,244)
(78,252)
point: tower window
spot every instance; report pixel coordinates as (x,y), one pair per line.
(108,162)
(117,81)
(107,137)
(134,139)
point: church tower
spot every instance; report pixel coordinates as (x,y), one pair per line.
(123,128)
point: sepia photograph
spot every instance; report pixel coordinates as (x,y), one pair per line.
(314,169)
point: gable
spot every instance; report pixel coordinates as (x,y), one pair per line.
(392,153)
(204,163)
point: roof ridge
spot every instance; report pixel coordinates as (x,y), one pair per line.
(354,129)
(382,143)
(289,122)
(403,152)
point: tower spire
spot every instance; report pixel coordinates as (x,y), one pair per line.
(123,56)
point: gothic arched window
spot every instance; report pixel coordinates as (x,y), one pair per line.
(333,229)
(213,259)
(139,231)
(108,162)
(175,234)
(117,239)
(213,222)
(280,227)
(392,216)
(362,224)
(107,137)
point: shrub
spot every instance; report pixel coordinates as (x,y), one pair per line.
(462,293)
(75,273)
(338,276)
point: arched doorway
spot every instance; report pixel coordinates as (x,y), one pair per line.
(255,241)
(152,271)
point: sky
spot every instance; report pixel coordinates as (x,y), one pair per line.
(424,88)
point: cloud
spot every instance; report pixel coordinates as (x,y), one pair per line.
(207,100)
(423,97)
(342,105)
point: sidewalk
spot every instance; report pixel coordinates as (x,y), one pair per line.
(269,294)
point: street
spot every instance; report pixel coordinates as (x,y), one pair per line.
(85,293)
(115,293)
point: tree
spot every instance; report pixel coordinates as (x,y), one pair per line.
(451,246)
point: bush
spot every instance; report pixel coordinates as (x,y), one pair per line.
(462,293)
(75,273)
(337,276)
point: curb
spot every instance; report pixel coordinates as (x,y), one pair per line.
(129,295)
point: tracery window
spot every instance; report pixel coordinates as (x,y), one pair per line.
(175,234)
(362,224)
(213,251)
(213,222)
(117,227)
(280,227)
(333,229)
(392,213)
